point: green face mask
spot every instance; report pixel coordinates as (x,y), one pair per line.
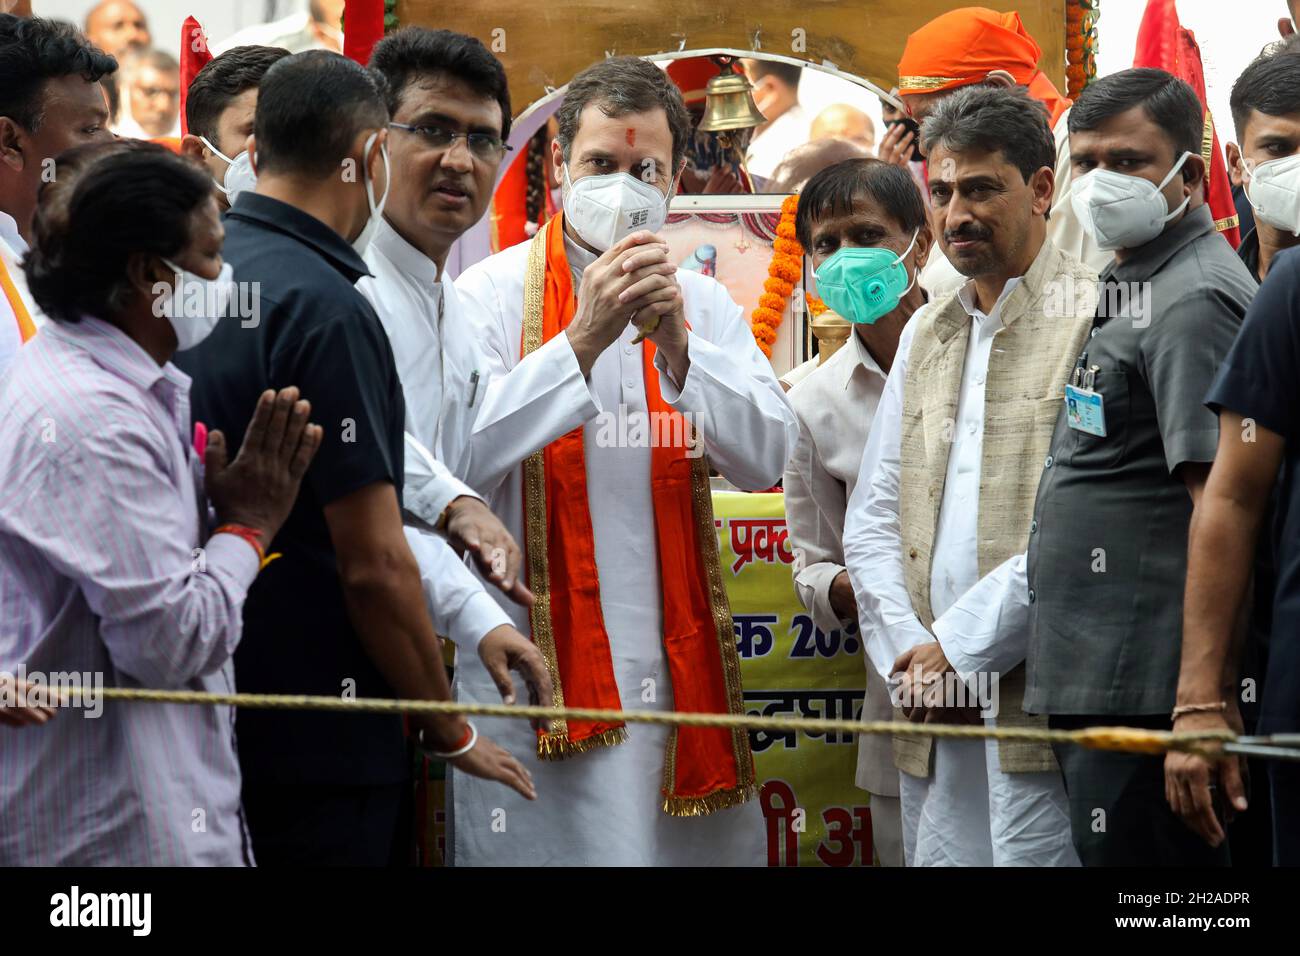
(863,284)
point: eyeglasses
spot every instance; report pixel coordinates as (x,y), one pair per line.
(482,146)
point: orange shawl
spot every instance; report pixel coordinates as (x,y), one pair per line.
(704,769)
(26,327)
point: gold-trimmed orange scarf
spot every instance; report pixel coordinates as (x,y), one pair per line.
(26,327)
(704,769)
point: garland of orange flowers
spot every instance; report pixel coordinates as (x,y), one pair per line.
(1080,45)
(785,269)
(815,305)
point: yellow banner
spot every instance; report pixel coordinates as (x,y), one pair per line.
(814,814)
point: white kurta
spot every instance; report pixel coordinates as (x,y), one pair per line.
(604,807)
(968,812)
(12,250)
(436,362)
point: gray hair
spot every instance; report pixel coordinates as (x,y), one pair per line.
(619,86)
(993,119)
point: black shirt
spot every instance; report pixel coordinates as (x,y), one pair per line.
(1108,541)
(1248,253)
(312,329)
(1261,381)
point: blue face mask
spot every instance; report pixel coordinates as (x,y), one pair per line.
(863,284)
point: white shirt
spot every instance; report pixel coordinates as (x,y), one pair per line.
(767,149)
(836,405)
(873,545)
(12,249)
(603,807)
(436,360)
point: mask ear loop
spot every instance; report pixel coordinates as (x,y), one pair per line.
(215,151)
(916,273)
(1165,182)
(220,155)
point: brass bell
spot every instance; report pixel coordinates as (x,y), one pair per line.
(728,102)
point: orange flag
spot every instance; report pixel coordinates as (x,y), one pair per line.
(1165,44)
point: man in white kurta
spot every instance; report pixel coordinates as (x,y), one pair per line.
(961,815)
(979,804)
(418,306)
(604,807)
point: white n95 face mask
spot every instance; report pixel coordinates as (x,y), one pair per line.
(362,242)
(195,304)
(605,209)
(1123,212)
(239,172)
(1273,189)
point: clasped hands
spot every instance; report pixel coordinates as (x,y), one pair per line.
(633,281)
(921,673)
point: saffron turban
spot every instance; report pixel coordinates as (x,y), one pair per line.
(963,46)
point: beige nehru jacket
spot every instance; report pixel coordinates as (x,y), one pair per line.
(1045,321)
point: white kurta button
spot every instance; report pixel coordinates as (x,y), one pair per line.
(629,384)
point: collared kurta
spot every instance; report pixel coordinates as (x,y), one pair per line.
(604,807)
(438,364)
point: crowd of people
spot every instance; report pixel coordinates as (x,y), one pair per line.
(255,438)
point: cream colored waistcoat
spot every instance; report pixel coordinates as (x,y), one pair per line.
(1046,319)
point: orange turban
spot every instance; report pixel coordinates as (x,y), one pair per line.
(963,46)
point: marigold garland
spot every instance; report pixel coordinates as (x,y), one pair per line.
(815,305)
(1080,45)
(785,269)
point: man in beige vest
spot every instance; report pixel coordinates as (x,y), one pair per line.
(942,508)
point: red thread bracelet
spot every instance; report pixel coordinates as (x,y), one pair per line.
(251,535)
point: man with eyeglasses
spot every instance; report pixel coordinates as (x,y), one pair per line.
(450,106)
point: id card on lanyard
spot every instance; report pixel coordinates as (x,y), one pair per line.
(1085,410)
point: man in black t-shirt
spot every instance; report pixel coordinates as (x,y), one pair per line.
(340,612)
(1257,397)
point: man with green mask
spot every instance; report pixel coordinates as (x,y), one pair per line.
(863,222)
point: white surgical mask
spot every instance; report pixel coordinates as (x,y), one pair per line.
(361,242)
(239,172)
(1273,189)
(605,209)
(195,304)
(1123,212)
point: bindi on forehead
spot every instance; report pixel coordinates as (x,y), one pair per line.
(631,136)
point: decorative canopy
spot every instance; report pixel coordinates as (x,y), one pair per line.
(543,45)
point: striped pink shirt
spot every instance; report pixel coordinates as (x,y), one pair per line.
(104,570)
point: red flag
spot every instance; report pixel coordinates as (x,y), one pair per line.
(194,56)
(1163,43)
(363,27)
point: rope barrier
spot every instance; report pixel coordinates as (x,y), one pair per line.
(1127,739)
